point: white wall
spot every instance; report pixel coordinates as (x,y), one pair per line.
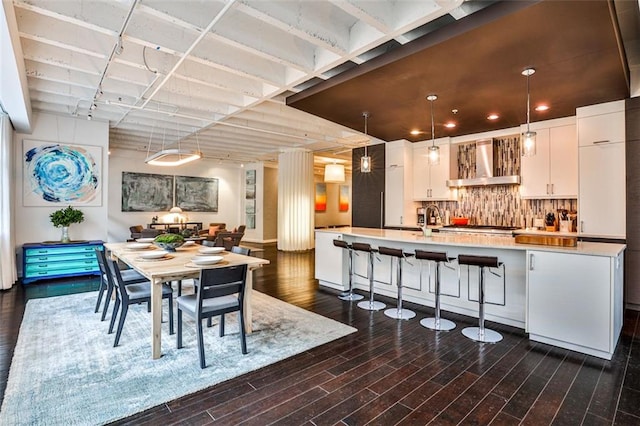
(230,191)
(32,223)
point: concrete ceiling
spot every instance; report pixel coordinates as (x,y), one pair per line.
(212,74)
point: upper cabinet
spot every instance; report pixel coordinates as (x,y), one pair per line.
(430,182)
(400,210)
(553,171)
(602,194)
(600,124)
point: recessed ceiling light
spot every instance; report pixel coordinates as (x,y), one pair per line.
(415,132)
(450,125)
(493,117)
(542,107)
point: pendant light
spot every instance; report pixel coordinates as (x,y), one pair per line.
(365,160)
(528,140)
(434,151)
(334,173)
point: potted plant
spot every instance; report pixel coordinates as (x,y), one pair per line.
(550,221)
(64,218)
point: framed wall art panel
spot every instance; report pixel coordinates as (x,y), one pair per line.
(197,194)
(321,197)
(56,173)
(146,192)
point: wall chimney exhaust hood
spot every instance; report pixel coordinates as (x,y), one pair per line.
(484,169)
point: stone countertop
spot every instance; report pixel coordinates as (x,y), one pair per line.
(479,241)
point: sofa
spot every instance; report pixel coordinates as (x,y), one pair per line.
(137,231)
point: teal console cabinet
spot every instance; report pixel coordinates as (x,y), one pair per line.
(45,261)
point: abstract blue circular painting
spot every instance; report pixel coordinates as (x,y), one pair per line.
(61,174)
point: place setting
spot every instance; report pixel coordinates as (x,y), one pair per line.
(212,250)
(139,246)
(202,261)
(154,256)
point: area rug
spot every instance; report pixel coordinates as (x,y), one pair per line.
(65,370)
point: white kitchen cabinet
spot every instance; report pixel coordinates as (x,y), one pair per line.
(601,123)
(400,209)
(329,260)
(430,182)
(601,201)
(565,295)
(601,197)
(553,171)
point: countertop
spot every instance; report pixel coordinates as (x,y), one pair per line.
(481,241)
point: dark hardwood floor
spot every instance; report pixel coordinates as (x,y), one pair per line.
(390,372)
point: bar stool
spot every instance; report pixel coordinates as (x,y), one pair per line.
(369,305)
(437,323)
(398,312)
(348,295)
(481,334)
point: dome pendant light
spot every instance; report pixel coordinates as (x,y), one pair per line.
(528,140)
(365,160)
(434,151)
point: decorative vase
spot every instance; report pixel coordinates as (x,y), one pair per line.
(65,235)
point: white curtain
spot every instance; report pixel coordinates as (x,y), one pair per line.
(295,200)
(8,274)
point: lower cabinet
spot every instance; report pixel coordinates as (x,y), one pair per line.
(328,261)
(46,261)
(575,301)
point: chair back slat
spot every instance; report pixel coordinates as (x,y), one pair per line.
(217,282)
(102,261)
(116,278)
(241,250)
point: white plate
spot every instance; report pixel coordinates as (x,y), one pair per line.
(138,246)
(211,250)
(155,254)
(188,243)
(145,240)
(206,260)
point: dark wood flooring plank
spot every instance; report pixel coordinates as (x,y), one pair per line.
(440,400)
(577,399)
(344,408)
(546,406)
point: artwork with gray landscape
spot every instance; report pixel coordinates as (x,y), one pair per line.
(197,194)
(146,192)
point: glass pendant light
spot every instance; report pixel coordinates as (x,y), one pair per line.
(365,160)
(434,151)
(528,140)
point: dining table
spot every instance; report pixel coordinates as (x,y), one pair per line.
(176,266)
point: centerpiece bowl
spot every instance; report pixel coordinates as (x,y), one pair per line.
(169,242)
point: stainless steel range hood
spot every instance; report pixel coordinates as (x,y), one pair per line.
(484,169)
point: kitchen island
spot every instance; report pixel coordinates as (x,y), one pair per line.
(565,296)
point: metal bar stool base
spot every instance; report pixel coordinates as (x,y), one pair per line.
(350,296)
(489,336)
(443,325)
(400,314)
(371,306)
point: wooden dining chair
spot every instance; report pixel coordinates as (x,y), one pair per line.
(132,294)
(221,291)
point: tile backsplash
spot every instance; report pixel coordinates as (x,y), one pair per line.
(501,205)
